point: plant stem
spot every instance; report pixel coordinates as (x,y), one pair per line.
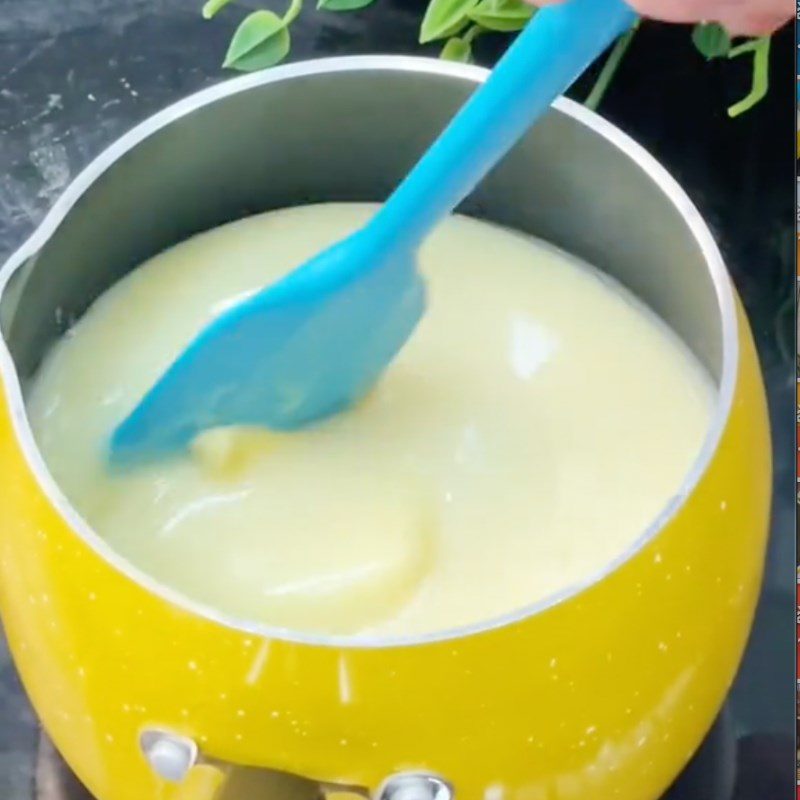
(470,36)
(610,68)
(294,9)
(212,6)
(760,85)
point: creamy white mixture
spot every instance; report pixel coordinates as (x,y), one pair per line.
(534,425)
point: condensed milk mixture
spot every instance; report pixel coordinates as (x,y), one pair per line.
(535,424)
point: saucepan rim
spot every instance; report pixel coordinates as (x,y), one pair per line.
(661,180)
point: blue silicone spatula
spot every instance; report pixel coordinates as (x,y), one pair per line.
(315,342)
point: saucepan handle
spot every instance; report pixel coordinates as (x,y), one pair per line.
(192,775)
(203,782)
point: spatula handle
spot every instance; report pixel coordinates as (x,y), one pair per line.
(556,46)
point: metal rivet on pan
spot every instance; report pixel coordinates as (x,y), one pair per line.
(169,756)
(415,786)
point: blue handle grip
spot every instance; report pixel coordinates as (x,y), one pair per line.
(556,46)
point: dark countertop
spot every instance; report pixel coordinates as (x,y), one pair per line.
(76,74)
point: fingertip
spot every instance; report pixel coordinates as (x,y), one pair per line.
(749,24)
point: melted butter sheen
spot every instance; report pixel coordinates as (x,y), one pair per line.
(536,423)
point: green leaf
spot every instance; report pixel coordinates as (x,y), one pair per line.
(711,39)
(457,49)
(445,18)
(505,16)
(344,5)
(760,83)
(262,40)
(212,6)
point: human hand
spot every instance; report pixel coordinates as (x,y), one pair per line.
(739,17)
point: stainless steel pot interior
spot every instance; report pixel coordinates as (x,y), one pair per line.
(349,129)
(351,135)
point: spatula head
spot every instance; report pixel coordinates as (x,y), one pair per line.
(308,346)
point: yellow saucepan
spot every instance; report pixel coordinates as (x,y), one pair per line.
(602,692)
